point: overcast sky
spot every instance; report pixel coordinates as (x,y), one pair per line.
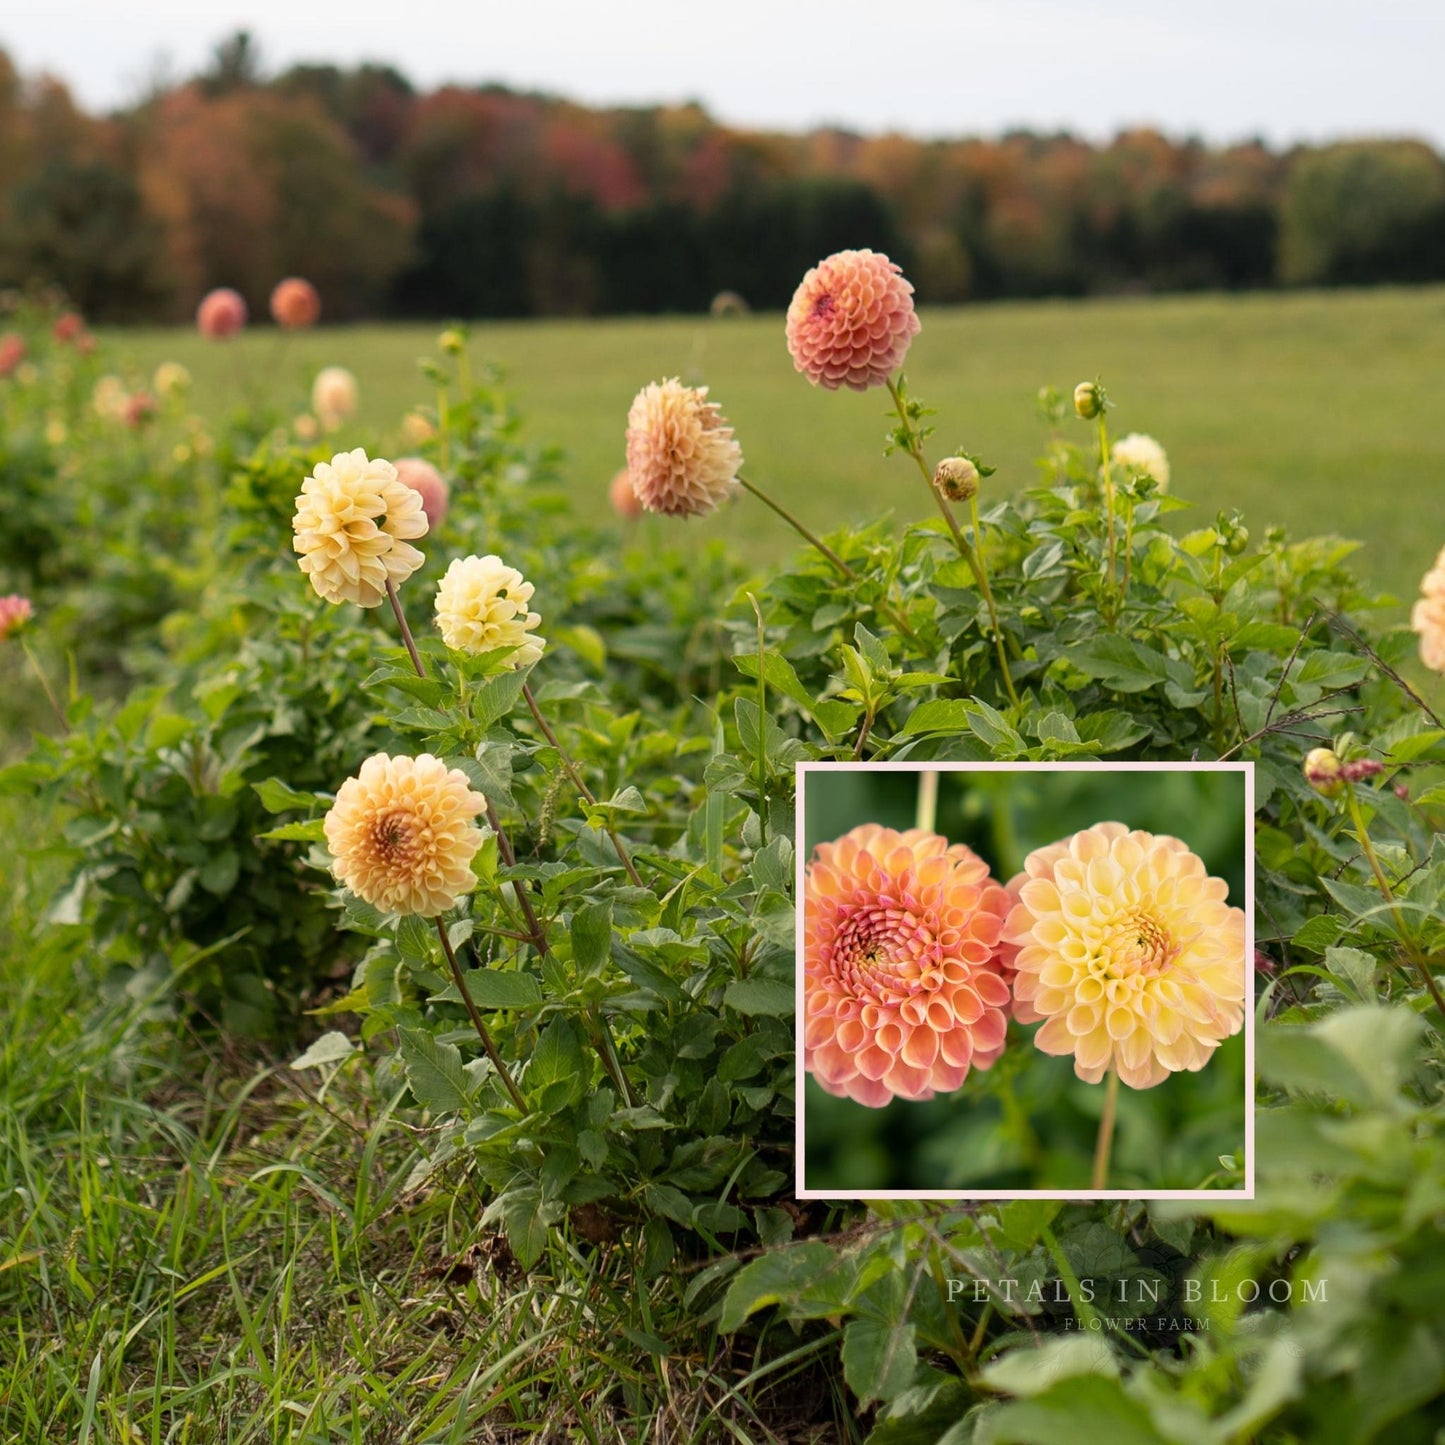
(1222,69)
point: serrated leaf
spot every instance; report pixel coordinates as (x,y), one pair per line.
(434,1071)
(591,934)
(940,715)
(496,988)
(878,1359)
(554,1074)
(279,797)
(313,831)
(330,1048)
(764,996)
(496,698)
(773,1279)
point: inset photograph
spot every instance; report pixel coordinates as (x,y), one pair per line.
(1022,979)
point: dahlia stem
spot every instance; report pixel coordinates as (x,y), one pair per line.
(44,682)
(460,980)
(1422,964)
(1105,1144)
(1108,497)
(927,813)
(577,782)
(972,555)
(402,623)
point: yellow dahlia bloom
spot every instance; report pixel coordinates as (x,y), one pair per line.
(482,605)
(1127,950)
(1139,453)
(401,834)
(902,992)
(1427,617)
(353,519)
(681,453)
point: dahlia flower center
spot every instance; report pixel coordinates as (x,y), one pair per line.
(881,951)
(824,305)
(1137,943)
(393,837)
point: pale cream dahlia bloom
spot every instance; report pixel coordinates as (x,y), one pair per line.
(902,992)
(1140,453)
(334,396)
(1427,617)
(1126,949)
(681,453)
(482,605)
(401,834)
(352,524)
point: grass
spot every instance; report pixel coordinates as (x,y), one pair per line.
(1308,410)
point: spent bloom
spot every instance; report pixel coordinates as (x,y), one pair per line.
(681,452)
(1126,949)
(902,991)
(623,495)
(401,834)
(1427,617)
(482,605)
(851,321)
(15,612)
(422,477)
(353,522)
(295,304)
(222,313)
(333,396)
(1140,453)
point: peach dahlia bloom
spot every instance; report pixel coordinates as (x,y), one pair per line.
(295,304)
(334,396)
(681,453)
(482,605)
(222,313)
(353,520)
(623,495)
(902,992)
(1126,949)
(421,476)
(851,321)
(1427,617)
(401,834)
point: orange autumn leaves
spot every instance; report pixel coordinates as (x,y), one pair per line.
(914,957)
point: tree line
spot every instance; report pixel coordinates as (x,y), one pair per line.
(485,201)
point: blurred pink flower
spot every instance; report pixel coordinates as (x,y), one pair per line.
(1427,617)
(421,476)
(681,453)
(295,304)
(12,352)
(15,612)
(902,993)
(69,328)
(1126,949)
(222,313)
(140,407)
(623,496)
(851,321)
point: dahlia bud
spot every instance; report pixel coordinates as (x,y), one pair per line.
(1402,792)
(452,341)
(1322,771)
(956,478)
(1088,399)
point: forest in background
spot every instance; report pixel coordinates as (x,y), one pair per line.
(487,202)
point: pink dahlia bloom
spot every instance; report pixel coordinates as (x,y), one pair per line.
(421,476)
(681,453)
(1427,617)
(623,496)
(1126,949)
(15,612)
(295,304)
(69,328)
(221,313)
(12,352)
(851,321)
(902,992)
(140,408)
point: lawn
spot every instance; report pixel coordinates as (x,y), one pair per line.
(1309,410)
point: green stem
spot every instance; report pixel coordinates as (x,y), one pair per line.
(1108,499)
(1084,1312)
(844,570)
(44,681)
(927,813)
(491,1049)
(1103,1147)
(1421,963)
(443,428)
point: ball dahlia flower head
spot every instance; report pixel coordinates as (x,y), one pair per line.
(1427,617)
(851,321)
(681,453)
(222,313)
(902,990)
(295,304)
(1126,949)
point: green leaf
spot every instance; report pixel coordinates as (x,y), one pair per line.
(591,934)
(434,1071)
(1023,1221)
(1125,665)
(330,1048)
(311,832)
(1028,1372)
(524,1218)
(1318,933)
(279,797)
(490,771)
(766,996)
(1333,669)
(554,1074)
(778,674)
(941,715)
(878,1359)
(772,1279)
(496,697)
(1082,1410)
(496,988)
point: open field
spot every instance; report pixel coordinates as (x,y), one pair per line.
(1311,410)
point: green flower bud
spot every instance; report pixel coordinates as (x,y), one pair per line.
(1088,400)
(1322,772)
(956,478)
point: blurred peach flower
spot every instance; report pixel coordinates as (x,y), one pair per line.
(12,352)
(171,380)
(851,321)
(140,408)
(416,429)
(1139,453)
(482,605)
(1427,617)
(1127,950)
(69,328)
(222,313)
(681,453)
(623,496)
(15,612)
(902,993)
(422,477)
(401,834)
(353,521)
(295,304)
(334,396)
(108,398)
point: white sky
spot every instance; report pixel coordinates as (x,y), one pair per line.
(1222,69)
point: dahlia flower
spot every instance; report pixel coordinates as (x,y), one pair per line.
(1139,453)
(15,612)
(12,352)
(171,380)
(482,605)
(295,304)
(851,321)
(222,313)
(352,524)
(69,328)
(1427,617)
(140,407)
(108,398)
(333,396)
(681,453)
(416,429)
(422,477)
(1126,949)
(623,496)
(401,834)
(902,992)
(1322,771)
